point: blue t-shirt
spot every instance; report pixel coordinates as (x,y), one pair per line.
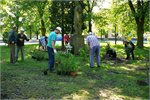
(52,37)
(12,36)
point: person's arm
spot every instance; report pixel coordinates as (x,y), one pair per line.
(53,44)
(25,37)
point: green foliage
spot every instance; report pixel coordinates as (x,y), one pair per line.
(59,19)
(64,16)
(5,37)
(101,20)
(65,62)
(26,80)
(84,53)
(39,55)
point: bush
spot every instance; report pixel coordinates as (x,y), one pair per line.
(84,53)
(65,63)
(39,55)
(5,37)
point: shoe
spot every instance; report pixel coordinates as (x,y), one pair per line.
(52,70)
(98,66)
(45,72)
(16,63)
(91,67)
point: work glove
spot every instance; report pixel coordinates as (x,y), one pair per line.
(55,51)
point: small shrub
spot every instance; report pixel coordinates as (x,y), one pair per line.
(65,63)
(84,53)
(5,37)
(39,55)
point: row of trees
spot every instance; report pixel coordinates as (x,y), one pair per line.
(128,18)
(41,17)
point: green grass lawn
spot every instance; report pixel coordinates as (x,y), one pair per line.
(113,81)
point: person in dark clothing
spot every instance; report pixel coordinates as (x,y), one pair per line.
(12,39)
(20,43)
(110,52)
(129,49)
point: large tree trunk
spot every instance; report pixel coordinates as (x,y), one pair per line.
(90,25)
(30,31)
(77,40)
(140,32)
(62,24)
(115,34)
(43,29)
(37,35)
(139,16)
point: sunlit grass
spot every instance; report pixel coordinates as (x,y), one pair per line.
(112,81)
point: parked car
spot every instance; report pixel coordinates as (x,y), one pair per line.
(59,37)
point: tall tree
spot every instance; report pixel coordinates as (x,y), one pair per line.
(89,7)
(139,13)
(101,21)
(63,17)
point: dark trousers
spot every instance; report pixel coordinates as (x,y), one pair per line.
(12,53)
(51,57)
(20,48)
(132,53)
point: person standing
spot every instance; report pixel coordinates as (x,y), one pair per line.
(93,43)
(12,39)
(66,39)
(51,49)
(43,42)
(129,48)
(20,44)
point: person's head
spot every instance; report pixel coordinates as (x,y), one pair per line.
(22,30)
(125,41)
(14,28)
(58,30)
(90,33)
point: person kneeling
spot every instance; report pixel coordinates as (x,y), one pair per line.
(110,52)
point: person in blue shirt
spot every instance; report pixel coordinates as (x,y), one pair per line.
(51,49)
(12,40)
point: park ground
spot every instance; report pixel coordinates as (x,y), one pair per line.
(112,81)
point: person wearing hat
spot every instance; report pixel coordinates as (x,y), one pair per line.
(12,39)
(93,43)
(129,48)
(51,49)
(20,43)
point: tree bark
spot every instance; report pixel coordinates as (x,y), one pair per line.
(115,34)
(43,30)
(139,18)
(90,25)
(62,6)
(30,32)
(140,32)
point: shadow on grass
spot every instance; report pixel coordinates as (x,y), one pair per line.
(26,80)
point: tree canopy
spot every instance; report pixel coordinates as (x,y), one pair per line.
(40,17)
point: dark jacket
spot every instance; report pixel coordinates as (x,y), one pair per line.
(132,45)
(12,37)
(20,39)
